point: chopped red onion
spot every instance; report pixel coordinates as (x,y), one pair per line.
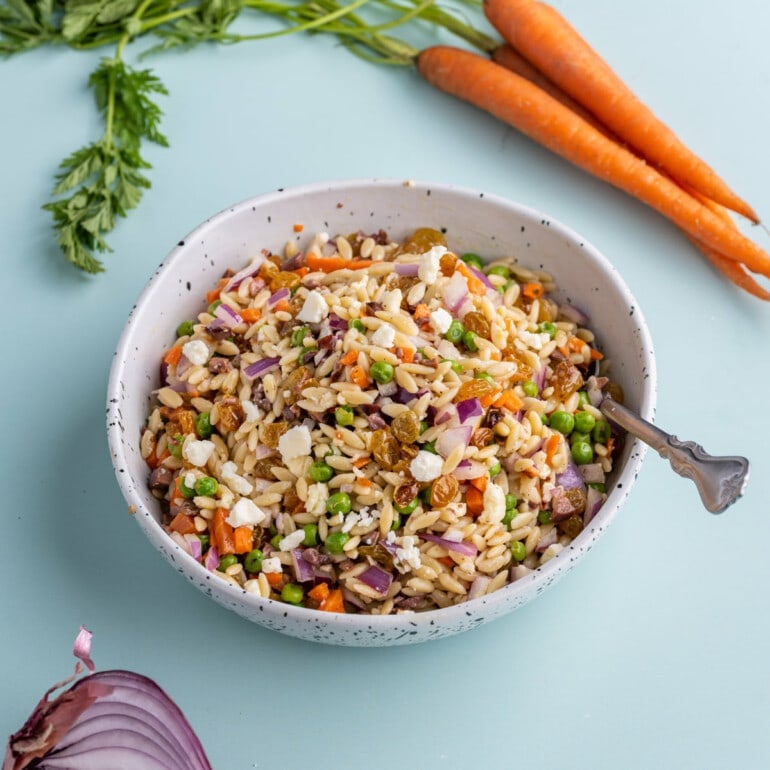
(458,546)
(163,374)
(546,540)
(483,278)
(277,296)
(303,570)
(82,648)
(376,578)
(594,387)
(182,365)
(447,350)
(540,378)
(391,389)
(194,546)
(571,477)
(593,473)
(247,272)
(469,410)
(336,322)
(446,414)
(573,314)
(453,437)
(211,562)
(455,292)
(594,501)
(407,268)
(478,587)
(262,367)
(292,263)
(228,316)
(519,571)
(469,469)
(350,597)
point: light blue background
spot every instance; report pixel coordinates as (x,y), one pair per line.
(652,653)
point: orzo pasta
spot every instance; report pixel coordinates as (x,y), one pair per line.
(379,427)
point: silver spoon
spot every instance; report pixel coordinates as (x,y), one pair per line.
(720,480)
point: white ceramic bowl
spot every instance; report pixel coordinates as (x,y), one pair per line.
(473,221)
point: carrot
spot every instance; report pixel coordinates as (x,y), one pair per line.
(298,228)
(447,561)
(302,271)
(213,295)
(480,482)
(421,312)
(508,400)
(360,462)
(173,355)
(251,314)
(243,540)
(349,358)
(222,532)
(532,290)
(275,579)
(281,305)
(524,106)
(183,524)
(474,499)
(319,592)
(330,264)
(406,355)
(597,356)
(475,285)
(549,41)
(333,602)
(359,376)
(551,445)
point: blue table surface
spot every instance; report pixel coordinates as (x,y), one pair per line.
(652,653)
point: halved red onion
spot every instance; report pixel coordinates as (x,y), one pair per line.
(242,275)
(106,719)
(277,296)
(303,570)
(469,469)
(593,473)
(376,578)
(262,367)
(469,410)
(211,562)
(228,316)
(453,437)
(407,268)
(570,478)
(594,501)
(458,546)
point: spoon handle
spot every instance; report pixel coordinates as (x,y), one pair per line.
(720,480)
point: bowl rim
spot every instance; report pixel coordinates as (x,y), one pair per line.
(406,622)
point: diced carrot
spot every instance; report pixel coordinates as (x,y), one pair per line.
(333,602)
(474,499)
(508,400)
(447,561)
(222,532)
(330,264)
(359,376)
(421,311)
(152,460)
(319,592)
(407,355)
(480,482)
(475,285)
(298,228)
(275,579)
(532,290)
(243,539)
(281,306)
(551,446)
(490,398)
(364,482)
(359,462)
(213,295)
(183,524)
(576,344)
(596,355)
(349,358)
(173,355)
(610,444)
(302,271)
(251,314)
(177,495)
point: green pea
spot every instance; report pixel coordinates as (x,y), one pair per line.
(508,518)
(175,446)
(469,340)
(205,541)
(429,446)
(499,270)
(582,452)
(485,376)
(423,426)
(320,471)
(396,522)
(474,260)
(292,593)
(339,502)
(275,541)
(530,388)
(545,419)
(311,535)
(203,426)
(335,542)
(543,517)
(583,398)
(206,486)
(382,372)
(357,324)
(426,493)
(298,336)
(598,486)
(518,550)
(510,502)
(343,415)
(214,305)
(584,422)
(547,328)
(185,490)
(495,469)
(227,561)
(408,508)
(601,432)
(577,437)
(185,329)
(252,562)
(456,366)
(455,331)
(564,422)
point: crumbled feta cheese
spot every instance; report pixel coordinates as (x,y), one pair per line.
(271,564)
(350,521)
(317,495)
(245,514)
(426,466)
(196,352)
(292,541)
(315,308)
(384,336)
(252,412)
(429,264)
(234,481)
(534,341)
(252,586)
(440,320)
(408,554)
(367,516)
(294,443)
(391,300)
(197,452)
(494,503)
(189,479)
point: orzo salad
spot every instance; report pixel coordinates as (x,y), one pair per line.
(379,427)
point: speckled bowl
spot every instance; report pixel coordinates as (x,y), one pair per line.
(473,221)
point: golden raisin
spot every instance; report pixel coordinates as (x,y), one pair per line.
(185,418)
(385,448)
(571,526)
(231,415)
(614,391)
(477,323)
(447,264)
(268,271)
(406,427)
(263,468)
(523,369)
(443,491)
(566,380)
(482,437)
(474,389)
(272,432)
(295,383)
(421,240)
(284,280)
